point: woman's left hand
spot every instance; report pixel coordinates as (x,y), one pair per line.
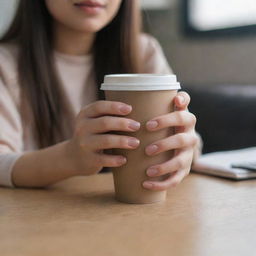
(183,142)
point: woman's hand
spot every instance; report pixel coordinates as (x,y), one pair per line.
(83,153)
(183,142)
(91,136)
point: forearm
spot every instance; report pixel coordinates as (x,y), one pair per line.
(43,167)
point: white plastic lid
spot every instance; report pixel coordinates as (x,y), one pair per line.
(140,82)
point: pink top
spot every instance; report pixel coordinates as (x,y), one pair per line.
(74,71)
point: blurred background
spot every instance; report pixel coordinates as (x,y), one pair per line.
(211,46)
(206,59)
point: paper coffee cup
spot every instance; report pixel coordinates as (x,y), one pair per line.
(150,96)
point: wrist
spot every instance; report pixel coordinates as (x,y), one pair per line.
(69,160)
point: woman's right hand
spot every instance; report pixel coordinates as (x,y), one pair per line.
(91,136)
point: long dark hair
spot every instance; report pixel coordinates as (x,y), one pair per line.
(115,50)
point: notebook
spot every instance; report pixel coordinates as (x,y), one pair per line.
(223,164)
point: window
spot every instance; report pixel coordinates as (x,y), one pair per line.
(220,16)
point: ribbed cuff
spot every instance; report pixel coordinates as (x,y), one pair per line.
(7,162)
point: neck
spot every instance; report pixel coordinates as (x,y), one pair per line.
(72,42)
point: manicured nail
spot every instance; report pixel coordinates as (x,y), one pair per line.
(134,126)
(121,160)
(152,124)
(151,149)
(181,99)
(125,109)
(147,185)
(133,142)
(152,172)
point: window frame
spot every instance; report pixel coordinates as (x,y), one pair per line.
(191,31)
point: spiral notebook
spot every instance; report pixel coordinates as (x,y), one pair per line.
(234,164)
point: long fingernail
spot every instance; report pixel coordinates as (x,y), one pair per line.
(151,149)
(147,185)
(152,124)
(152,172)
(134,126)
(121,160)
(133,142)
(125,109)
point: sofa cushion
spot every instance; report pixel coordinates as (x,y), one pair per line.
(226,115)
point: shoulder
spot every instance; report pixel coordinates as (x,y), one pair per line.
(8,62)
(148,42)
(152,55)
(8,52)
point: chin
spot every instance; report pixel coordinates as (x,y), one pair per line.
(90,27)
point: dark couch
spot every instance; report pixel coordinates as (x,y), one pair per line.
(226,115)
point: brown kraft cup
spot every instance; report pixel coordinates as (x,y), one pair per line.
(150,96)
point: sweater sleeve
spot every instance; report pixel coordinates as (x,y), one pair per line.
(11,132)
(153,58)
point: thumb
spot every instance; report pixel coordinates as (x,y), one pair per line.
(181,101)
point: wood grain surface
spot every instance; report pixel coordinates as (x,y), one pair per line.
(202,216)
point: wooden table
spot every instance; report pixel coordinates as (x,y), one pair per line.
(202,216)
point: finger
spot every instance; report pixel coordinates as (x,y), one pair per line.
(174,119)
(100,108)
(171,181)
(108,141)
(180,161)
(182,100)
(111,160)
(176,141)
(111,123)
